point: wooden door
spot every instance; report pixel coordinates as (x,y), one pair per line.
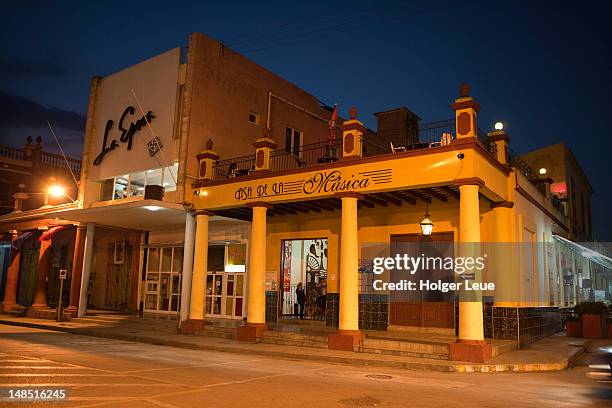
(422,308)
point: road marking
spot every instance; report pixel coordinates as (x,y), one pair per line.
(189,366)
(40,368)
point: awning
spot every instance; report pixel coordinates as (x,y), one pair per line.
(137,214)
(49,233)
(585,252)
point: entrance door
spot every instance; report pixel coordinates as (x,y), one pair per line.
(225,294)
(422,308)
(163,279)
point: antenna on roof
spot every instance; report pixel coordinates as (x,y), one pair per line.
(64,156)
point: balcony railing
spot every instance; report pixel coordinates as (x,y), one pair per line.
(425,136)
(55,160)
(49,159)
(11,152)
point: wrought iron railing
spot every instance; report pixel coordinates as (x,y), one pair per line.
(425,136)
(236,167)
(489,145)
(517,162)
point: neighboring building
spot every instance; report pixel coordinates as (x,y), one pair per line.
(569,184)
(32,171)
(210,187)
(25,178)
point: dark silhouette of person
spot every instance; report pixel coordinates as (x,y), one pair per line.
(301,298)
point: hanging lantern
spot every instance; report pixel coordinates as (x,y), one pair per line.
(426,224)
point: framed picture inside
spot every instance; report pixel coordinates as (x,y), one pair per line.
(119,252)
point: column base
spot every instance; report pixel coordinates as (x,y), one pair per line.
(250,332)
(7,307)
(473,351)
(39,306)
(192,326)
(73,311)
(346,340)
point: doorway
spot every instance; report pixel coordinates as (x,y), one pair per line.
(226,281)
(163,279)
(422,308)
(304,261)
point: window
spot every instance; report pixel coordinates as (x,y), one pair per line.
(253,118)
(293,141)
(133,185)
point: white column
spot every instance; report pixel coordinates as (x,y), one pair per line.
(87,260)
(190,227)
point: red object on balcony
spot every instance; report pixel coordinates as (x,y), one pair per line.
(573,328)
(592,326)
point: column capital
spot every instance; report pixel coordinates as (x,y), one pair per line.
(469,181)
(352,194)
(260,204)
(502,204)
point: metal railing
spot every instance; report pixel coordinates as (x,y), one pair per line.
(520,164)
(489,145)
(425,136)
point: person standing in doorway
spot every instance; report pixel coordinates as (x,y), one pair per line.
(301,299)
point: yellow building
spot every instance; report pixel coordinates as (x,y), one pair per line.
(345,197)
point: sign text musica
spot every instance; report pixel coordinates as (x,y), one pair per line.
(320,183)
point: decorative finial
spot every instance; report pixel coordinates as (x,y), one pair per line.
(464,90)
(209,144)
(353,113)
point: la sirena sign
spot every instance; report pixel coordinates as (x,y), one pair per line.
(126,132)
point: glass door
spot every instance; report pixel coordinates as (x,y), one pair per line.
(163,279)
(214,294)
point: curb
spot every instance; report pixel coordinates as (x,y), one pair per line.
(373,362)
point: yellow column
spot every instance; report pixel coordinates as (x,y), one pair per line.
(256,306)
(470,345)
(348,336)
(349,255)
(257,264)
(502,261)
(198,278)
(470,313)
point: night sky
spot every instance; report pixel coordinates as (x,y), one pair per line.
(544,70)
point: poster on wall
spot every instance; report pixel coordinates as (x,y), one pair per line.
(119,252)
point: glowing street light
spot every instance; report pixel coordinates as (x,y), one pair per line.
(499,126)
(542,171)
(57,191)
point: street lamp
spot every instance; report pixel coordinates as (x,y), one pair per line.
(499,126)
(56,191)
(426,224)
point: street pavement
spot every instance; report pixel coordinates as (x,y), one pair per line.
(98,372)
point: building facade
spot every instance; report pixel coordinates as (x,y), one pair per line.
(211,187)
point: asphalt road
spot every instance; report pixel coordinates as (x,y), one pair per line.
(99,372)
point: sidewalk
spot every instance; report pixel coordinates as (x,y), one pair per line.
(550,354)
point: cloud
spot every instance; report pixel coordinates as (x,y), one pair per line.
(29,68)
(20,112)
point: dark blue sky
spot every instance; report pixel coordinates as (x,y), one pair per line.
(543,69)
